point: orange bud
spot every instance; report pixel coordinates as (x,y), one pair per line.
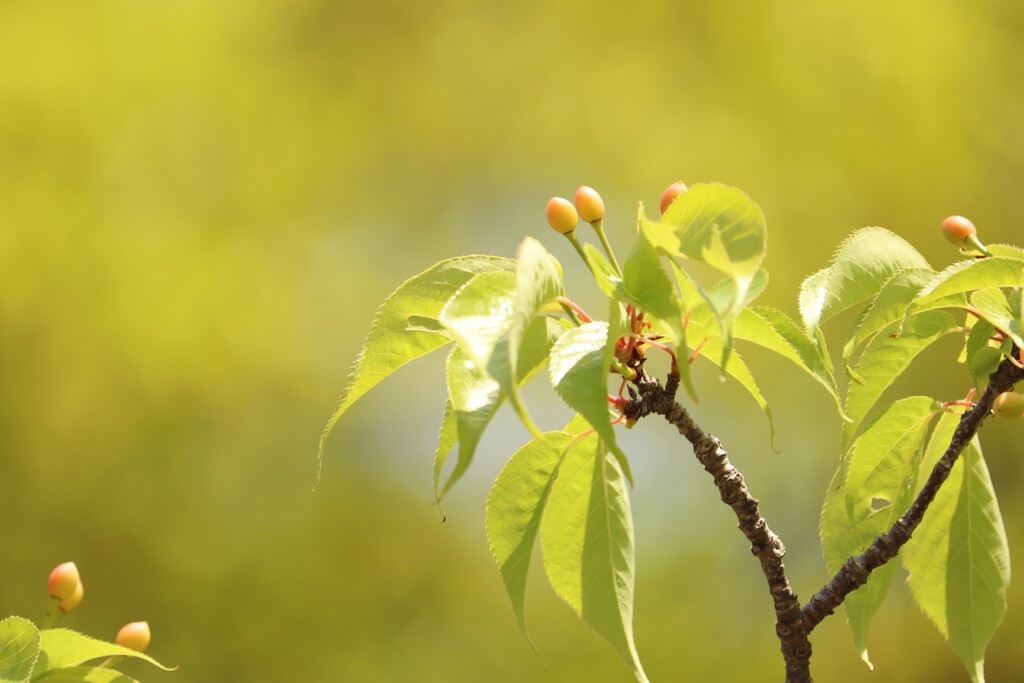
(670,194)
(63,580)
(134,636)
(956,229)
(589,204)
(562,215)
(71,602)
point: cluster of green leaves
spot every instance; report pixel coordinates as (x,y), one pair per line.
(958,562)
(59,655)
(506,320)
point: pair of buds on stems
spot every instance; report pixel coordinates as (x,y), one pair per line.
(563,216)
(66,592)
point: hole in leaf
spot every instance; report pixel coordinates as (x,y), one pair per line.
(880,504)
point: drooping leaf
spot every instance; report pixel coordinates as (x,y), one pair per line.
(958,559)
(514,509)
(448,436)
(406,327)
(538,282)
(887,307)
(861,265)
(587,542)
(967,276)
(1002,310)
(63,648)
(773,330)
(85,674)
(869,491)
(475,396)
(19,649)
(737,369)
(885,358)
(579,374)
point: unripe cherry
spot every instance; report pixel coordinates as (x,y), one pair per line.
(64,579)
(562,215)
(957,229)
(670,194)
(589,204)
(961,232)
(134,636)
(1009,405)
(71,602)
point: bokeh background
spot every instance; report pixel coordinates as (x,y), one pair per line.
(202,204)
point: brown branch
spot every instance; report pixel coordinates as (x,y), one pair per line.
(855,572)
(790,625)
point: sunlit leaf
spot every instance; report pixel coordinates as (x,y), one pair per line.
(958,558)
(966,276)
(861,265)
(62,648)
(514,509)
(866,500)
(885,358)
(587,541)
(475,396)
(480,314)
(887,307)
(1006,251)
(579,374)
(448,436)
(85,674)
(1002,310)
(538,282)
(773,330)
(406,327)
(19,648)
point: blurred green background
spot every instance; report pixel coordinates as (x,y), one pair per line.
(202,204)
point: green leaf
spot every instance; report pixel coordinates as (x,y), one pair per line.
(887,308)
(587,540)
(406,327)
(538,281)
(1002,310)
(966,276)
(703,327)
(85,674)
(884,359)
(579,374)
(861,265)
(1006,251)
(514,509)
(475,396)
(958,559)
(19,649)
(722,227)
(448,436)
(773,330)
(480,314)
(981,357)
(64,648)
(864,501)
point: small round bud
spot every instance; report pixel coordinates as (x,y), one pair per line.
(562,215)
(957,229)
(134,636)
(71,602)
(1009,405)
(589,204)
(64,580)
(670,194)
